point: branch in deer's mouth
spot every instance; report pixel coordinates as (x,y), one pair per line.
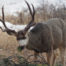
(20,48)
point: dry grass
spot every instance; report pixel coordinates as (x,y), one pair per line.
(8,46)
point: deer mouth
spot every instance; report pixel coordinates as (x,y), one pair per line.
(20,48)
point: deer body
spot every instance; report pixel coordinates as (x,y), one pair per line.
(44,35)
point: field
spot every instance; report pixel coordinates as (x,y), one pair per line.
(8,47)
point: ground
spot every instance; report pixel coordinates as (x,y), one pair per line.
(8,47)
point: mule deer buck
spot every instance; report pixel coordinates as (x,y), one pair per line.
(43,37)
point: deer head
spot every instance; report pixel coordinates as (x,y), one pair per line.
(20,35)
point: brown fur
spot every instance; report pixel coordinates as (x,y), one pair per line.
(48,36)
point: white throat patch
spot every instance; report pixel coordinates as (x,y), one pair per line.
(23,42)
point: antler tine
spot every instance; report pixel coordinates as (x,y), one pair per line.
(33,12)
(3,19)
(3,13)
(29,7)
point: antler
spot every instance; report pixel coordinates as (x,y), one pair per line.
(31,23)
(9,31)
(3,18)
(32,14)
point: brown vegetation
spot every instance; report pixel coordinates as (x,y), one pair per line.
(8,44)
(43,13)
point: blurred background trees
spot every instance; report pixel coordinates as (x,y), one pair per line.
(43,13)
